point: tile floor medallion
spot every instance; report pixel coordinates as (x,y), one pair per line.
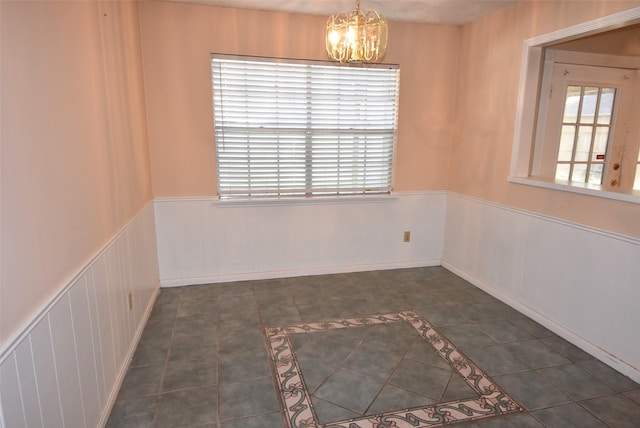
(297,399)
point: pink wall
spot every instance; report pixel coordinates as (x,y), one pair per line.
(624,42)
(75,162)
(457,102)
(75,166)
(490,56)
(177,42)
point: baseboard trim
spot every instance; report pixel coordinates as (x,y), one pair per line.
(289,273)
(577,340)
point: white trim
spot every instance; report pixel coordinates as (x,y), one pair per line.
(248,276)
(585,228)
(581,188)
(420,193)
(363,199)
(16,338)
(530,73)
(589,28)
(172,199)
(526,110)
(217,202)
(560,330)
(225,203)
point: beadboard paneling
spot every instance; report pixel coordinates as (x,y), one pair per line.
(580,282)
(65,369)
(202,241)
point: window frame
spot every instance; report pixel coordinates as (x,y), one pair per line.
(531,74)
(309,135)
(565,68)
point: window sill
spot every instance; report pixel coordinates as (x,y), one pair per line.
(316,200)
(632,196)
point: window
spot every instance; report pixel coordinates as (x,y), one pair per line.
(586,126)
(576,127)
(303,128)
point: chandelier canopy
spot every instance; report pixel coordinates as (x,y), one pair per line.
(357,37)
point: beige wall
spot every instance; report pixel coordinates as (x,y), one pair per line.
(74,153)
(178,40)
(490,56)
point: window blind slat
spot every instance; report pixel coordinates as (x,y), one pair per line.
(300,129)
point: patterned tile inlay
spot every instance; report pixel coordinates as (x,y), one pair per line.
(491,401)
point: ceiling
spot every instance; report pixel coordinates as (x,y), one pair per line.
(452,12)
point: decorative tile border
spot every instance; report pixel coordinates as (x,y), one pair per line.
(491,401)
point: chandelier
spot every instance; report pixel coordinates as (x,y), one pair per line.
(357,37)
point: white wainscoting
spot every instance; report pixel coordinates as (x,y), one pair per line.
(204,241)
(582,283)
(66,367)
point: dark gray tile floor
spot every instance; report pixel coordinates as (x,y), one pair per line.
(203,359)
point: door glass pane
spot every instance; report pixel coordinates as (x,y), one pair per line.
(589,102)
(595,173)
(600,143)
(566,143)
(562,171)
(584,143)
(585,133)
(572,102)
(605,110)
(579,172)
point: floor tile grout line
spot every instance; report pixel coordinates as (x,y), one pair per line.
(166,363)
(386,382)
(411,318)
(579,403)
(535,333)
(336,369)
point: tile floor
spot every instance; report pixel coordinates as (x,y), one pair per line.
(406,348)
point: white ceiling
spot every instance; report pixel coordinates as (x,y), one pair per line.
(453,12)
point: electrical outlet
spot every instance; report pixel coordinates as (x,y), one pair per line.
(130,301)
(407,236)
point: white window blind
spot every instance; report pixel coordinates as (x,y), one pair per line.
(303,128)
